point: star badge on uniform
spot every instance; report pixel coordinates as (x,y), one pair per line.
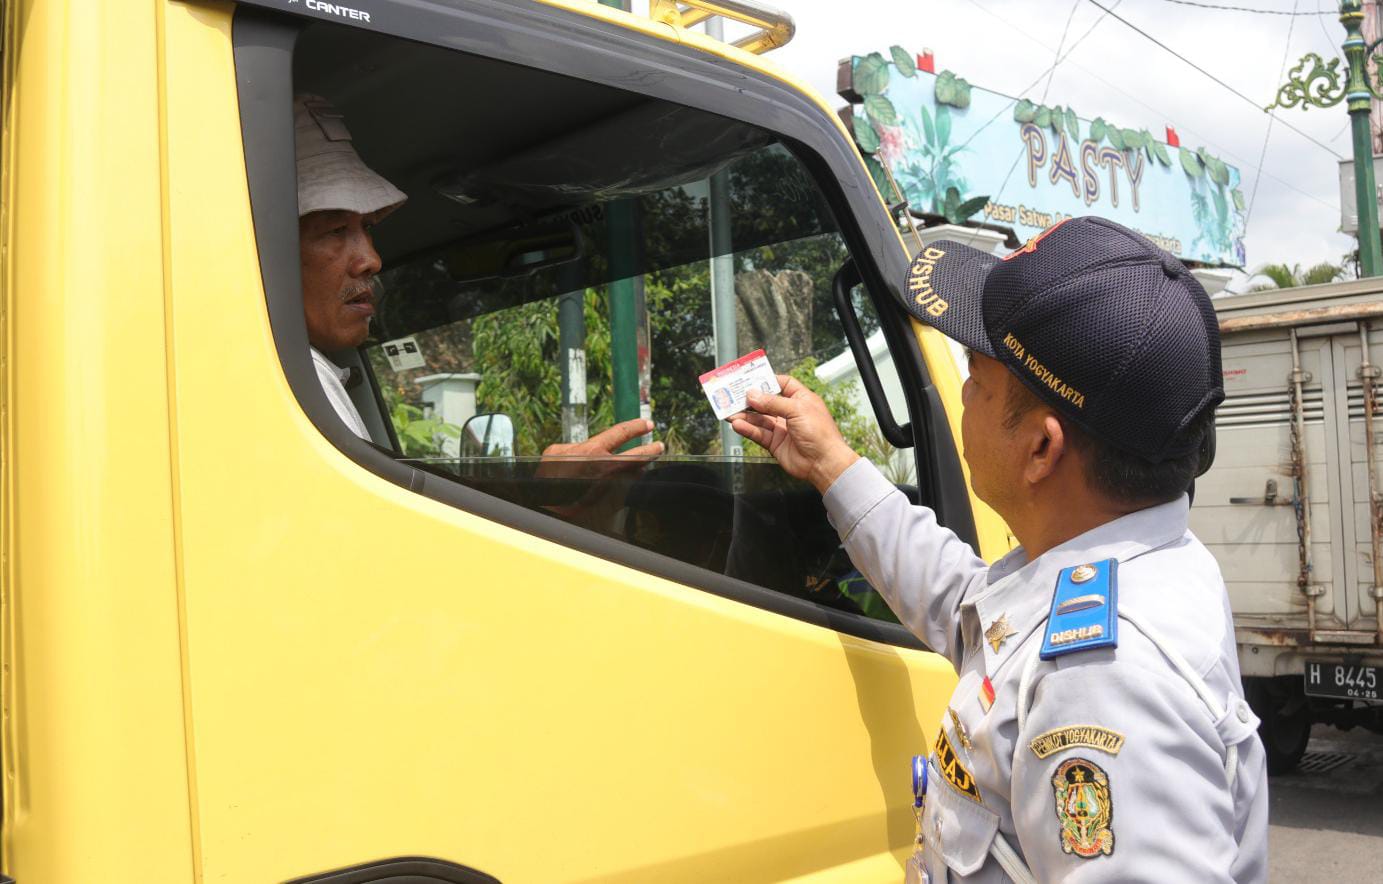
(998,631)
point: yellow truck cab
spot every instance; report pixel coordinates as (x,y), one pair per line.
(243,644)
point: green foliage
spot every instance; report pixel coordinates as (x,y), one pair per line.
(866,137)
(516,356)
(903,61)
(927,182)
(1057,118)
(958,212)
(1191,163)
(1238,199)
(866,598)
(1280,276)
(876,171)
(1210,208)
(1196,163)
(952,90)
(880,110)
(871,75)
(1219,171)
(857,429)
(679,318)
(1322,273)
(516,348)
(894,464)
(420,436)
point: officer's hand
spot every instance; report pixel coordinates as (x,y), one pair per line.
(798,431)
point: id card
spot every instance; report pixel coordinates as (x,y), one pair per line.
(727,386)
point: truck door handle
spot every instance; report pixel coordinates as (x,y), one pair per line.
(847,278)
(1269,497)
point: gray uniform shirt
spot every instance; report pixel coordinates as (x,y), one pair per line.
(1135,763)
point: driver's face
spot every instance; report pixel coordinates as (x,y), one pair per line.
(339,263)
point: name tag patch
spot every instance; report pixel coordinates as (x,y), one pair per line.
(1085,736)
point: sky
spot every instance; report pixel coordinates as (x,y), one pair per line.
(1004,45)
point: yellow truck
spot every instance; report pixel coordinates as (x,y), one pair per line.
(242,644)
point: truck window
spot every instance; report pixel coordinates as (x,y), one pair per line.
(555,270)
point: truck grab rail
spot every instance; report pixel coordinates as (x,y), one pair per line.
(776,28)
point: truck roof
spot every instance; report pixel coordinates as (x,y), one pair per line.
(1304,305)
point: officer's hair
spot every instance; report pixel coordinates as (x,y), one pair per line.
(1120,476)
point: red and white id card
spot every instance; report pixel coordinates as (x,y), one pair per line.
(727,386)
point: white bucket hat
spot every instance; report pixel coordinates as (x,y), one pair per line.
(331,175)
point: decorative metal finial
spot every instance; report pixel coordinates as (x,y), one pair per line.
(1321,86)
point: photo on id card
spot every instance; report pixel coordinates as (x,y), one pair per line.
(728,386)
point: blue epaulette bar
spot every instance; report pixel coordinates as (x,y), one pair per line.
(1085,610)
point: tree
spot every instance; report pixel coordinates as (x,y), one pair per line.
(1280,276)
(516,356)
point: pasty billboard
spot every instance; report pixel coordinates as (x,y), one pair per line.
(953,149)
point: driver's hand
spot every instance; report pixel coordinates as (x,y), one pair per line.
(596,457)
(595,460)
(798,431)
(607,443)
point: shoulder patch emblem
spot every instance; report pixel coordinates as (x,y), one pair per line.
(1085,736)
(955,772)
(1084,808)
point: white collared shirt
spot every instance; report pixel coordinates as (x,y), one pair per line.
(333,382)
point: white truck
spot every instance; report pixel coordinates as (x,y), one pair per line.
(1291,508)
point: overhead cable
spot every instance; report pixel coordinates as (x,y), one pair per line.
(1060,57)
(1263,153)
(1136,99)
(1051,72)
(1256,106)
(1219,8)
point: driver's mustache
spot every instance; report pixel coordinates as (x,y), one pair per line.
(368,289)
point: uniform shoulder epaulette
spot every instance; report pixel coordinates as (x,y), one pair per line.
(1085,610)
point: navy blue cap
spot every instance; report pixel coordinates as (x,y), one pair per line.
(1108,329)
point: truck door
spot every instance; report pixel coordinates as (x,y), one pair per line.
(1244,510)
(434,642)
(1360,577)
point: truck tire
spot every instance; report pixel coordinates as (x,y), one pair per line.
(1286,720)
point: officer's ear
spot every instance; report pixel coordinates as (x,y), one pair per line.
(1047,446)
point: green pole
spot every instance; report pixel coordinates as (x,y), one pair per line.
(624,312)
(1357,97)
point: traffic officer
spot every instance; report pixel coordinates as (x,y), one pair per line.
(1098,730)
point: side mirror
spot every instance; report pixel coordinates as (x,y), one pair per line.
(487,435)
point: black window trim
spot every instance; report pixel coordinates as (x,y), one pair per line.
(263,41)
